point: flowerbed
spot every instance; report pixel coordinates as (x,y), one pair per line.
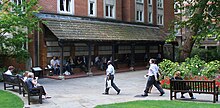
(191,69)
(165,83)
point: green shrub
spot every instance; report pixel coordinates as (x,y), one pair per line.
(210,69)
(194,65)
(2,70)
(205,54)
(191,67)
(168,67)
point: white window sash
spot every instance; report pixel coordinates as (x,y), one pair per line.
(110,6)
(66,8)
(150,17)
(139,11)
(17,2)
(160,19)
(149,2)
(110,9)
(93,8)
(159,3)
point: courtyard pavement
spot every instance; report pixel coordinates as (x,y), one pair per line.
(87,92)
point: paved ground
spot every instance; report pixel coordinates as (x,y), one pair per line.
(87,92)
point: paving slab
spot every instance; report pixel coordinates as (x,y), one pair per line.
(87,92)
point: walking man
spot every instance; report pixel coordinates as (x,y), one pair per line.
(110,71)
(152,80)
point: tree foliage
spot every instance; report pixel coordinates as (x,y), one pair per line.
(201,18)
(17,21)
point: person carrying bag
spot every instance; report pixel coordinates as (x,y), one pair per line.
(110,71)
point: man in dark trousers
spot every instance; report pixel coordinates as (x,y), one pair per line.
(152,80)
(110,71)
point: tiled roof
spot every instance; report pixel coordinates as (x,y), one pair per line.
(103,31)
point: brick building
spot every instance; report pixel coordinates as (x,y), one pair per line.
(105,28)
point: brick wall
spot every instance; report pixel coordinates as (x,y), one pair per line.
(119,9)
(128,8)
(145,11)
(154,12)
(168,14)
(42,49)
(100,11)
(49,6)
(125,10)
(81,7)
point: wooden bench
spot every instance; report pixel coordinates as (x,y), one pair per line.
(198,86)
(10,81)
(27,91)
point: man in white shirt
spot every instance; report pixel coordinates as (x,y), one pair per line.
(152,80)
(55,63)
(110,72)
(9,71)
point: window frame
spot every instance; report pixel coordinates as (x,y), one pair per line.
(71,4)
(160,4)
(17,3)
(110,12)
(150,17)
(139,17)
(150,2)
(94,7)
(160,19)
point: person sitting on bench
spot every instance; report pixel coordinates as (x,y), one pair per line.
(177,76)
(32,84)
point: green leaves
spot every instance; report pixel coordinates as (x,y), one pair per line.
(17,21)
(191,67)
(200,17)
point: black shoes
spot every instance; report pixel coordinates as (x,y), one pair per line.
(105,93)
(144,95)
(182,97)
(118,92)
(108,93)
(193,98)
(161,94)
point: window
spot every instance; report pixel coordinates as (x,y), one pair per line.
(109,11)
(18,2)
(65,6)
(149,2)
(139,1)
(176,8)
(139,10)
(177,30)
(159,3)
(92,7)
(150,11)
(160,19)
(110,8)
(150,17)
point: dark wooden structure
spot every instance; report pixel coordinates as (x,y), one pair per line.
(26,91)
(10,81)
(197,86)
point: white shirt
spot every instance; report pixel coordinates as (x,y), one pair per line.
(8,72)
(57,62)
(53,63)
(153,70)
(110,70)
(96,59)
